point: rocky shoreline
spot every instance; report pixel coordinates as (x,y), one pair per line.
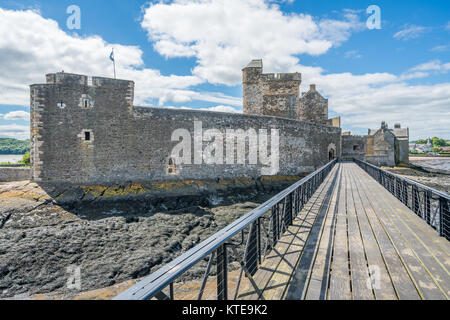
(111,242)
(433,178)
(115,241)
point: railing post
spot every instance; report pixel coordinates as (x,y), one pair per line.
(258,239)
(222,273)
(405,193)
(415,200)
(288,210)
(251,256)
(444,218)
(274,224)
(427,205)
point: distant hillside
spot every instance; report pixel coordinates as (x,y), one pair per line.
(14,146)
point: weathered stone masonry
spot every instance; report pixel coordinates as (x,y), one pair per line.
(87,131)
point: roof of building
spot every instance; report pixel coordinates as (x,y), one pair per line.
(398,132)
(256,63)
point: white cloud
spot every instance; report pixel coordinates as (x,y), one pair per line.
(353,54)
(365,100)
(17,115)
(440,48)
(224,35)
(410,32)
(219,108)
(15,131)
(31,46)
(434,65)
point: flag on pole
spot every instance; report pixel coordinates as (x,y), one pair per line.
(111,56)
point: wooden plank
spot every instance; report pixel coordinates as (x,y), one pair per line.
(276,255)
(440,246)
(280,281)
(383,287)
(340,272)
(404,285)
(301,276)
(360,278)
(432,280)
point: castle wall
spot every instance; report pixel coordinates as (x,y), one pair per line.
(353,147)
(133,144)
(403,151)
(381,148)
(313,107)
(14,174)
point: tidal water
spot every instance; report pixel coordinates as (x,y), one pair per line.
(11,158)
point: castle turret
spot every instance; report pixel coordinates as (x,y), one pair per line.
(268,93)
(252,89)
(313,107)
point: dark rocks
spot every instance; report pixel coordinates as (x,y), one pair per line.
(110,242)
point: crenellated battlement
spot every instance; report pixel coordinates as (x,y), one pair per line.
(79,79)
(281,77)
(278,94)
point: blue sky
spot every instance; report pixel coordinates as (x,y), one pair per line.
(188,54)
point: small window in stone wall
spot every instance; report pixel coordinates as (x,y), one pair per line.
(61,104)
(171,167)
(87,136)
(86,102)
(355,148)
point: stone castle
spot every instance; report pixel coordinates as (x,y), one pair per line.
(278,95)
(382,147)
(86,131)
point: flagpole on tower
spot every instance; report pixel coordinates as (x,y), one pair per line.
(114,62)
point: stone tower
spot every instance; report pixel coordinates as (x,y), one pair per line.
(313,107)
(68,113)
(270,94)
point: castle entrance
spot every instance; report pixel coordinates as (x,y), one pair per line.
(331,155)
(331,151)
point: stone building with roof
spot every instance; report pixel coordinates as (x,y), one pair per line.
(382,146)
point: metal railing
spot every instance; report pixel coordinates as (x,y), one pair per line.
(430,204)
(215,268)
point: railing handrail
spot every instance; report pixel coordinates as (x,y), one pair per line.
(437,192)
(165,275)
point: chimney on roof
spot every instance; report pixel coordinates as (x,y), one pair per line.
(312,87)
(397,126)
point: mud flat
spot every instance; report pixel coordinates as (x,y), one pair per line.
(433,164)
(113,243)
(428,171)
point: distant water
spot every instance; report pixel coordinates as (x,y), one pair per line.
(11,158)
(439,164)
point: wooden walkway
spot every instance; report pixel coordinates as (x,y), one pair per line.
(354,240)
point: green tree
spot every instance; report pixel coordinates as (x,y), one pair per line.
(437,142)
(26,158)
(14,146)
